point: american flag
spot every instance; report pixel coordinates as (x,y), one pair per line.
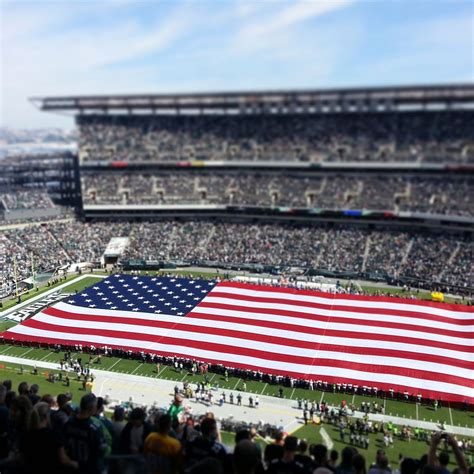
(385,343)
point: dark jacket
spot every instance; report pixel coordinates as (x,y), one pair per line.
(125,437)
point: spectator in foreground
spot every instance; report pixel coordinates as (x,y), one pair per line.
(320,456)
(333,457)
(60,416)
(409,466)
(118,424)
(274,450)
(206,445)
(287,464)
(34,397)
(346,466)
(41,449)
(84,439)
(435,462)
(161,448)
(134,433)
(20,413)
(381,464)
(247,458)
(358,462)
(4,415)
(302,457)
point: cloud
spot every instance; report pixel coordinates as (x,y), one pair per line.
(46,57)
(123,46)
(265,29)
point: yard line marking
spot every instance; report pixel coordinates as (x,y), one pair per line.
(161,370)
(113,365)
(136,368)
(353,398)
(29,350)
(292,392)
(450,414)
(321,401)
(211,379)
(6,350)
(416,406)
(263,389)
(236,384)
(47,355)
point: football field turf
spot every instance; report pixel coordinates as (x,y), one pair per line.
(114,364)
(81,284)
(392,407)
(310,432)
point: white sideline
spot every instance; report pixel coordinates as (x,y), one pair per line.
(326,439)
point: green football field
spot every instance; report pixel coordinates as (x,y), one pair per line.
(414,448)
(78,286)
(114,364)
(310,432)
(408,410)
(17,374)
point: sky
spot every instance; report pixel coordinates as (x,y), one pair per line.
(78,47)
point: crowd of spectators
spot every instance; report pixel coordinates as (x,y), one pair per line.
(431,259)
(424,136)
(42,433)
(26,199)
(23,249)
(439,195)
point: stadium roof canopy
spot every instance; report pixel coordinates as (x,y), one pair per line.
(374,99)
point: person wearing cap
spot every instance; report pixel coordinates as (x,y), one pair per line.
(176,409)
(287,463)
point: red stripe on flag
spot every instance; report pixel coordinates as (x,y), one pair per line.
(432,394)
(338,320)
(369,350)
(335,307)
(332,297)
(260,354)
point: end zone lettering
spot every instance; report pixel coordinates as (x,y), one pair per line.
(33,308)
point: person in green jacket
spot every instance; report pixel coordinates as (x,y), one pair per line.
(176,408)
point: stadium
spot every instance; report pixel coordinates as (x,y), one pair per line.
(301,257)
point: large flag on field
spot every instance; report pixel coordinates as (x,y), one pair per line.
(390,343)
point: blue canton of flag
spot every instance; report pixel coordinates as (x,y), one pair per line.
(161,295)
